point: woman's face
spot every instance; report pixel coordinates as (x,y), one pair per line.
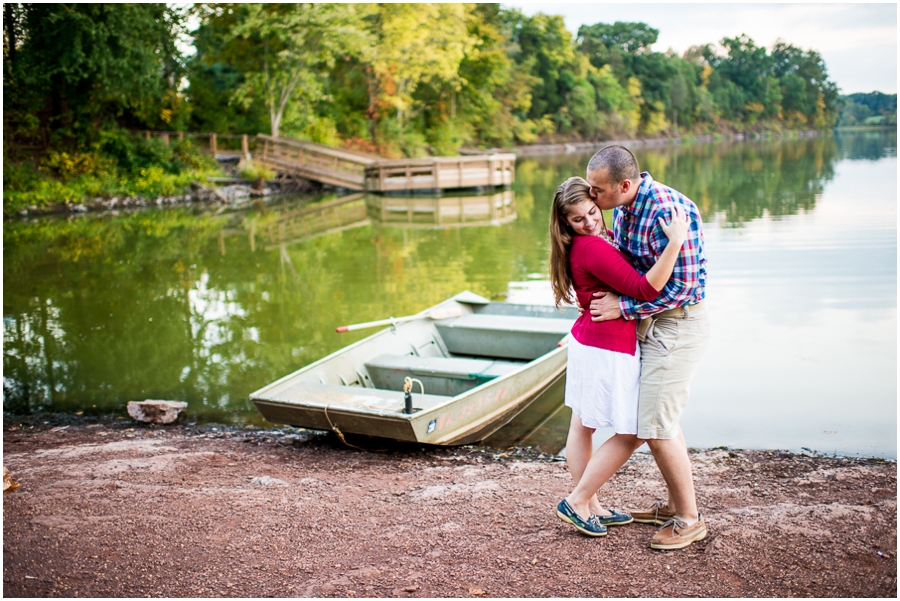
(584,218)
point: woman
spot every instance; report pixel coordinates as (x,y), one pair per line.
(604,366)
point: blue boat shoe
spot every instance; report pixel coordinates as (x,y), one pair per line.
(591,526)
(617,518)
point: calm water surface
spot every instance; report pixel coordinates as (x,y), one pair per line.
(206,307)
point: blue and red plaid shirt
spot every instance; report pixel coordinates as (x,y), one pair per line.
(639,236)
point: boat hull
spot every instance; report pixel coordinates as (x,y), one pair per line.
(338,392)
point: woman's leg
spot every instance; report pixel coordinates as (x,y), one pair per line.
(605,462)
(579,449)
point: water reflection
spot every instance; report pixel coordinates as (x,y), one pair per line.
(867,145)
(207,306)
(447,210)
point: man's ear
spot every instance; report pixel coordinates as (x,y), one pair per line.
(626,185)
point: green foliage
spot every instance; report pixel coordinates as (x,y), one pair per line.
(253,170)
(92,63)
(625,48)
(874,108)
(393,79)
(117,164)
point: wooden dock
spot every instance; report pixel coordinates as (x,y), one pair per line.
(357,171)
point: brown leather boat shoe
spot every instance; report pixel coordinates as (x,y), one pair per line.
(675,534)
(658,513)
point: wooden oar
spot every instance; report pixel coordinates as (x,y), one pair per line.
(445,313)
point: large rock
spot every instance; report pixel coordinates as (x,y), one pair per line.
(155,412)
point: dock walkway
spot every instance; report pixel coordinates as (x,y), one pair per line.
(358,171)
(355,170)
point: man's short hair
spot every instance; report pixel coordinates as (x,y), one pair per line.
(618,161)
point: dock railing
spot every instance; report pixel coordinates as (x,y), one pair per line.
(437,173)
(315,161)
(355,170)
(217,145)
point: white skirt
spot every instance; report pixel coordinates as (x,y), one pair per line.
(602,387)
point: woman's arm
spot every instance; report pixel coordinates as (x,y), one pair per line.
(676,231)
(604,262)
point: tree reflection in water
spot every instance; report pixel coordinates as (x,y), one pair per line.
(205,307)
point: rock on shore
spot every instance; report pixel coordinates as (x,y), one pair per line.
(113,509)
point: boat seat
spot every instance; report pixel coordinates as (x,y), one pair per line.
(502,336)
(439,375)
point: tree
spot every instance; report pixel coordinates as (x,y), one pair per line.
(283,51)
(544,49)
(419,43)
(214,82)
(494,97)
(625,47)
(93,64)
(805,88)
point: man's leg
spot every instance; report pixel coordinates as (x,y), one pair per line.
(672,458)
(670,502)
(669,360)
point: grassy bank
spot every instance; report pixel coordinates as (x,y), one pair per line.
(117,164)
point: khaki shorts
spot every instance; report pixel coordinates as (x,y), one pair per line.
(669,359)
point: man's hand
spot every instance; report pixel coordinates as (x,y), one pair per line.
(605,306)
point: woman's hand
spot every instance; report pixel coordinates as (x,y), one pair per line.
(677,229)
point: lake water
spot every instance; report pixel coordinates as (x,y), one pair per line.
(196,305)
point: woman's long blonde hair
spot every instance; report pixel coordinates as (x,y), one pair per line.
(571,192)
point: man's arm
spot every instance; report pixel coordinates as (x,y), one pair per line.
(687,279)
(680,289)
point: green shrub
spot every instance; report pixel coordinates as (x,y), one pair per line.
(70,166)
(118,164)
(255,171)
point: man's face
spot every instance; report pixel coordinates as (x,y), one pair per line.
(606,194)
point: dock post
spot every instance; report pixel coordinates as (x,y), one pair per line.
(245,147)
(436,167)
(180,136)
(165,138)
(146,134)
(212,145)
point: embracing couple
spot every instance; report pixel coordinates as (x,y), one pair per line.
(636,345)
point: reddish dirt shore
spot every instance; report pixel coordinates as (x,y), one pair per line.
(117,510)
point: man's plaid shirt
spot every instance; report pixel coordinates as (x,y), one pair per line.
(639,236)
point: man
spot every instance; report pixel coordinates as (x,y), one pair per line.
(673,331)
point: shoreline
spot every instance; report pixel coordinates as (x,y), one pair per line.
(43,421)
(121,509)
(240,194)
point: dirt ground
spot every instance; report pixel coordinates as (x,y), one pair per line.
(119,510)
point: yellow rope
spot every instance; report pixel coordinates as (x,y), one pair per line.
(344,440)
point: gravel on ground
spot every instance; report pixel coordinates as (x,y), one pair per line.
(114,509)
